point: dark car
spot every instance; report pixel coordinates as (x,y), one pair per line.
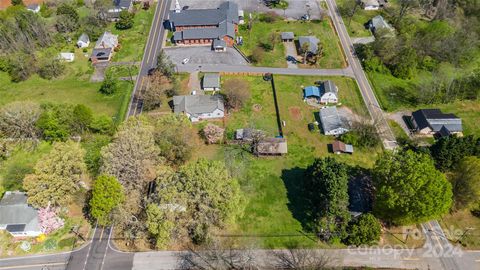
(185,7)
(291,59)
(151,71)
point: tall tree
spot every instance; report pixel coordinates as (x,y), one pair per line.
(448,151)
(160,224)
(409,189)
(466,183)
(125,20)
(56,176)
(326,189)
(365,230)
(132,155)
(18,120)
(107,194)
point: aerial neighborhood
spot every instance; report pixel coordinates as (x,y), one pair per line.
(231,134)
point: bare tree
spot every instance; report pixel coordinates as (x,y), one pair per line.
(304,259)
(18,120)
(305,50)
(237,93)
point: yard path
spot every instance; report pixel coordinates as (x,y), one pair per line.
(241,69)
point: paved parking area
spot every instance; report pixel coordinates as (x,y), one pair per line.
(204,55)
(295,10)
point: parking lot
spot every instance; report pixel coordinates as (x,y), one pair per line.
(295,10)
(204,55)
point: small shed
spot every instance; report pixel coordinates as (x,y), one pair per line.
(272,147)
(83,41)
(287,36)
(67,57)
(339,147)
(311,92)
(211,82)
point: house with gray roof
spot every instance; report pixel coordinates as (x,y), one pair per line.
(328,92)
(104,48)
(17,217)
(287,36)
(205,26)
(331,122)
(312,43)
(434,121)
(199,107)
(117,7)
(211,82)
(379,23)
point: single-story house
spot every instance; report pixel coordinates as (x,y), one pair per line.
(378,23)
(211,82)
(83,41)
(35,8)
(326,93)
(287,36)
(339,147)
(199,107)
(17,217)
(331,122)
(67,57)
(248,134)
(312,44)
(272,147)
(104,47)
(370,4)
(433,121)
(119,6)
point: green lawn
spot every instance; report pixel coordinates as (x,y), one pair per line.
(132,41)
(333,57)
(462,223)
(273,214)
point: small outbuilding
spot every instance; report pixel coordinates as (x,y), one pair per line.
(339,147)
(83,41)
(287,36)
(67,57)
(370,4)
(248,134)
(219,45)
(331,122)
(35,8)
(272,147)
(211,82)
(379,23)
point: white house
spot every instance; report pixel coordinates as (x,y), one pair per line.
(67,57)
(83,41)
(35,8)
(370,4)
(329,92)
(17,217)
(331,122)
(199,107)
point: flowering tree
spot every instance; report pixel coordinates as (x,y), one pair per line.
(48,220)
(212,133)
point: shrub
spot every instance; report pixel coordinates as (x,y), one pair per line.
(212,133)
(109,86)
(257,55)
(125,21)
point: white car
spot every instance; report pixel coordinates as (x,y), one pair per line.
(185,60)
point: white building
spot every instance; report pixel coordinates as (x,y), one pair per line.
(83,41)
(331,122)
(199,107)
(370,4)
(67,57)
(329,93)
(17,217)
(35,8)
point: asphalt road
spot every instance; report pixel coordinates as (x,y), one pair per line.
(152,49)
(366,90)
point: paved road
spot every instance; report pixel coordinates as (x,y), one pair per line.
(366,90)
(249,69)
(152,49)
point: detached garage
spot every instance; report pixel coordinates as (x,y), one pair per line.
(211,82)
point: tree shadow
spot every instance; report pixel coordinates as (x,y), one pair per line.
(360,190)
(298,203)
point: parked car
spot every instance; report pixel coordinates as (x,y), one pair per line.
(292,59)
(185,60)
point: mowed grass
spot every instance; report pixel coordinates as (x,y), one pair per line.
(272,216)
(132,41)
(73,87)
(261,31)
(462,227)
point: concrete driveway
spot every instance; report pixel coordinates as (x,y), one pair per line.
(290,50)
(296,8)
(204,55)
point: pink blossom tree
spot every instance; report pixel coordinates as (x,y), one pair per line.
(48,220)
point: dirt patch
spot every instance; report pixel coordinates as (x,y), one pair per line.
(257,107)
(295,113)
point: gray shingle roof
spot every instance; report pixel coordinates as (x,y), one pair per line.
(224,29)
(287,35)
(329,87)
(84,38)
(226,12)
(311,40)
(123,4)
(14,210)
(436,119)
(219,43)
(330,119)
(107,40)
(211,80)
(378,22)
(197,104)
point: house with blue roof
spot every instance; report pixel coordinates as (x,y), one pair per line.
(326,93)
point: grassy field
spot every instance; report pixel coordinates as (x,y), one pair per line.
(260,32)
(132,41)
(273,209)
(462,227)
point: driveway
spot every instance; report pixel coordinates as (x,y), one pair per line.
(290,50)
(296,8)
(204,55)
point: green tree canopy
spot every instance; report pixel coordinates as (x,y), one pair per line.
(365,230)
(448,151)
(125,20)
(160,225)
(466,183)
(107,194)
(56,176)
(409,189)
